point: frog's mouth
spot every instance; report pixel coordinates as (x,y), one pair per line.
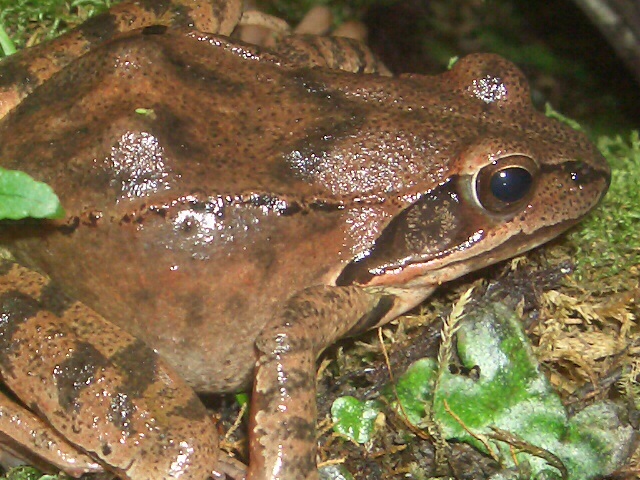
(444,234)
(437,271)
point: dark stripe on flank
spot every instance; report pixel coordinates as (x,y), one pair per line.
(15,73)
(298,380)
(298,428)
(181,17)
(122,410)
(154,6)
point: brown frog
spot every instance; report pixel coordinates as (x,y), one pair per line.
(236,210)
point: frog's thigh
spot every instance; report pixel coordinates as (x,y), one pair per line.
(102,389)
(25,436)
(283,405)
(338,53)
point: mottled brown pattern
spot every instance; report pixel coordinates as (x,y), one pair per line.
(213,225)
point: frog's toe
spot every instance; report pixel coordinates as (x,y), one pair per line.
(230,468)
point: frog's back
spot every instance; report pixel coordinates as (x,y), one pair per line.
(185,223)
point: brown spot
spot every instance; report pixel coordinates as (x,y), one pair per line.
(72,224)
(99,28)
(52,298)
(154,30)
(138,365)
(15,309)
(77,373)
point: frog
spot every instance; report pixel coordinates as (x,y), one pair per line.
(232,210)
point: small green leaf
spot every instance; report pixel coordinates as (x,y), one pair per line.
(7,46)
(242,398)
(355,419)
(23,197)
(146,112)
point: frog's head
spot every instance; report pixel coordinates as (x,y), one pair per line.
(508,179)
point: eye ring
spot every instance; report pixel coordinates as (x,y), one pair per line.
(505,185)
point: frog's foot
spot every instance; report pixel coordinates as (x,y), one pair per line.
(265,30)
(256,18)
(282,436)
(312,43)
(260,28)
(229,467)
(318,21)
(25,439)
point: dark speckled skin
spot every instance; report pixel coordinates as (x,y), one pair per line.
(260,209)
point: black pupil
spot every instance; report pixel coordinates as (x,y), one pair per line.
(511,184)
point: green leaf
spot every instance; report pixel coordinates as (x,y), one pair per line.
(6,45)
(355,419)
(23,197)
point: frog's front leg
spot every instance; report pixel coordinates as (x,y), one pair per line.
(283,410)
(104,391)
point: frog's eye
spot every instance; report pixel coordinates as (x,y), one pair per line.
(504,185)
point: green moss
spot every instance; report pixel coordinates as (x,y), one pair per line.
(608,241)
(25,20)
(30,473)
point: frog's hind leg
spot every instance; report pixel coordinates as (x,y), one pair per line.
(22,72)
(103,390)
(337,53)
(312,43)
